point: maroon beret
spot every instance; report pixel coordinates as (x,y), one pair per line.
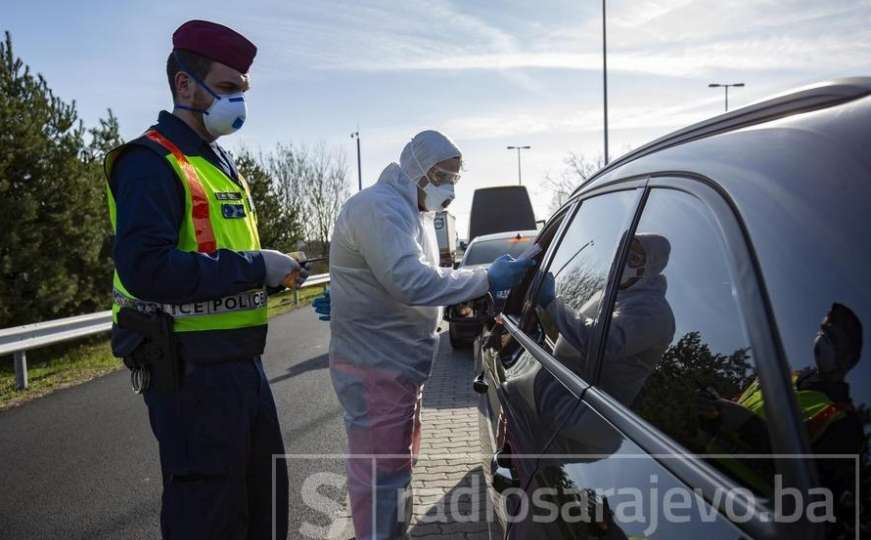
(215,42)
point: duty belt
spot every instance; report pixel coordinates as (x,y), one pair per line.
(245,301)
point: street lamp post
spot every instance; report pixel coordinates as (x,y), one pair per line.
(356,135)
(518,148)
(605,76)
(726,88)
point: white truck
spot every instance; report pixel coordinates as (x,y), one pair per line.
(446,234)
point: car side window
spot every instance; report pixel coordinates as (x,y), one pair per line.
(815,255)
(578,274)
(676,350)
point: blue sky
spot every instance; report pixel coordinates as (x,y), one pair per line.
(487,73)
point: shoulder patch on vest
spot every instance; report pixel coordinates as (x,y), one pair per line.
(233,211)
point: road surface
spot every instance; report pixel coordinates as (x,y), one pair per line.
(82,462)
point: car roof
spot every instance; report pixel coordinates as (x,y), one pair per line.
(503,235)
(824,96)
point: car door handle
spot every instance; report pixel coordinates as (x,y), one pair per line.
(480,385)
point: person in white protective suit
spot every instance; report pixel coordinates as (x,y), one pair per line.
(384,307)
(642,323)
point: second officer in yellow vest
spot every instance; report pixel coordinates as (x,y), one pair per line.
(187,251)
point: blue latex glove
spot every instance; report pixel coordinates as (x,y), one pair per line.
(547,292)
(322,306)
(506,272)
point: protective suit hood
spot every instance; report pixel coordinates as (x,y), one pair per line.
(658,250)
(423,151)
(393,176)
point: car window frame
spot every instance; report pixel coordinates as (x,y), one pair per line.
(773,370)
(640,195)
(787,436)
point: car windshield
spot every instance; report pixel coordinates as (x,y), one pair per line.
(486,251)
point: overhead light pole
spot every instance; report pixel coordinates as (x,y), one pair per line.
(356,135)
(726,88)
(518,148)
(605,76)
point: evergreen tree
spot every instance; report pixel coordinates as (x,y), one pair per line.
(95,275)
(52,201)
(276,226)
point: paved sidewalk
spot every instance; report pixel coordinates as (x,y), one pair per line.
(448,484)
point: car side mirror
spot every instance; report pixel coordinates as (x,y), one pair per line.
(479,310)
(456,264)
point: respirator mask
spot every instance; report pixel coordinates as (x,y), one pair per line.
(227,112)
(636,261)
(437,185)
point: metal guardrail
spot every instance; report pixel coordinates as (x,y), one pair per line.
(316,280)
(19,339)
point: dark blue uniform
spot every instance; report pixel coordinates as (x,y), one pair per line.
(219,432)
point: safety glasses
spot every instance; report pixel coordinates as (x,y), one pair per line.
(440,177)
(437,175)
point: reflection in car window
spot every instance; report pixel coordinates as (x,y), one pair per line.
(833,421)
(815,257)
(578,273)
(676,349)
(486,251)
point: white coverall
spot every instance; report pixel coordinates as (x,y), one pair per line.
(386,289)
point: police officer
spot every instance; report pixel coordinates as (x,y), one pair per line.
(833,423)
(186,245)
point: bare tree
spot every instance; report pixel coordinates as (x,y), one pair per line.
(287,165)
(324,189)
(305,188)
(577,170)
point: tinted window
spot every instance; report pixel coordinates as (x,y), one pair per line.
(813,247)
(578,273)
(486,251)
(676,350)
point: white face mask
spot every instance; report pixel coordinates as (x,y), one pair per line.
(633,270)
(437,197)
(630,276)
(225,115)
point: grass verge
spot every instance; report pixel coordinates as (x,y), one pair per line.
(61,366)
(53,368)
(283,302)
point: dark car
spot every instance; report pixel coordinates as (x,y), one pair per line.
(686,360)
(466,320)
